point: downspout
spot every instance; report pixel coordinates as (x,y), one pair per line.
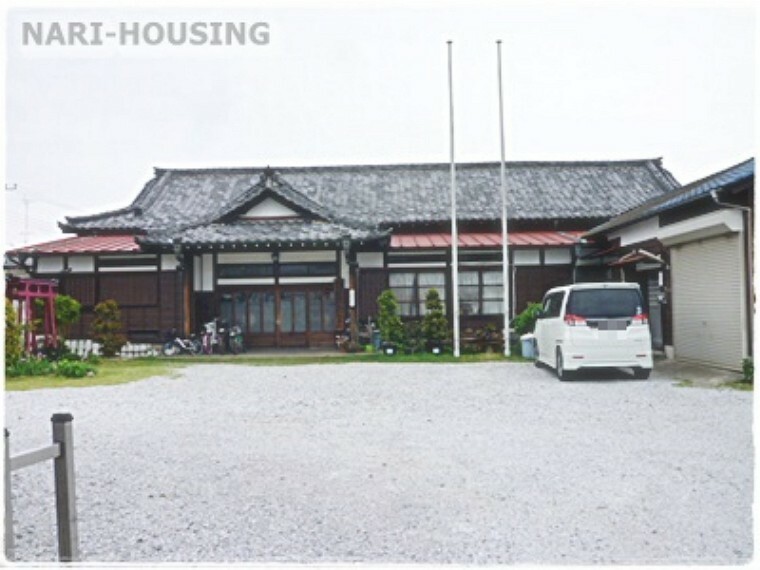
(747,219)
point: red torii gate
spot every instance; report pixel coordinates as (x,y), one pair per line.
(27,291)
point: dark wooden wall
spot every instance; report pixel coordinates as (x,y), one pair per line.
(372,282)
(533,282)
(148,302)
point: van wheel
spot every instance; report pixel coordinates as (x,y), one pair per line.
(641,373)
(562,374)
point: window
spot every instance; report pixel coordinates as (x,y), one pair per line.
(253,312)
(553,304)
(321,311)
(293,311)
(481,292)
(605,303)
(243,270)
(308,269)
(411,287)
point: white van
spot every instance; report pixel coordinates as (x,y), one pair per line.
(594,325)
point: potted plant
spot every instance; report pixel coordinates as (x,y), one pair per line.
(389,322)
(434,324)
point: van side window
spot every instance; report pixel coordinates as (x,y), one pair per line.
(553,305)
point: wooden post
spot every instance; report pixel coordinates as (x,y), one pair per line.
(8,506)
(65,495)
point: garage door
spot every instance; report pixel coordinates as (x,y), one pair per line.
(708,301)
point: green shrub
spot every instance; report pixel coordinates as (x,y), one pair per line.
(748,371)
(525,322)
(60,352)
(489,337)
(435,327)
(106,328)
(30,367)
(470,348)
(74,369)
(14,335)
(388,318)
(94,359)
(67,312)
(414,337)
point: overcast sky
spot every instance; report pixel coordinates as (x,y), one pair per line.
(338,84)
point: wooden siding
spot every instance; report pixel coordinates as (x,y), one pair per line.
(148,302)
(532,282)
(130,289)
(80,287)
(372,282)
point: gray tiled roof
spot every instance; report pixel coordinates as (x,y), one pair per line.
(701,188)
(265,232)
(393,194)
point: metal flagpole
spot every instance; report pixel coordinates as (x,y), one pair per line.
(454,233)
(504,230)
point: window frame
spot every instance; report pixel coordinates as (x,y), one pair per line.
(481,285)
(417,302)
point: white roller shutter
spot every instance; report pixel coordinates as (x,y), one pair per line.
(708,301)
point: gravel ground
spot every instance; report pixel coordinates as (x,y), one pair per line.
(483,463)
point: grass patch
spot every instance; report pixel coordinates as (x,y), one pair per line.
(111,372)
(738,385)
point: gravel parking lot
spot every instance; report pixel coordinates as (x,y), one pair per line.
(483,463)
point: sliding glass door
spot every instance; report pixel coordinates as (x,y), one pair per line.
(293,315)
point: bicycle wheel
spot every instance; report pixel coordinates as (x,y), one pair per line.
(236,345)
(169,349)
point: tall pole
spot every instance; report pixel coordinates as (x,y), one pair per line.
(454,233)
(504,229)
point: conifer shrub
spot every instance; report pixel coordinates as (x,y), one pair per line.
(67,312)
(388,318)
(435,327)
(106,328)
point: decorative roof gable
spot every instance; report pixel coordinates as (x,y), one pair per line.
(272,194)
(269,208)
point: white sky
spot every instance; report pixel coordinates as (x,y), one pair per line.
(339,84)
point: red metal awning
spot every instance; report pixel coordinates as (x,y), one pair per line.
(127,243)
(484,239)
(83,244)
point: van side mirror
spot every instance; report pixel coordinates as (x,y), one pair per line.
(540,314)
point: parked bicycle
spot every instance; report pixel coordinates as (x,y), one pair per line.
(211,338)
(218,338)
(235,340)
(176,345)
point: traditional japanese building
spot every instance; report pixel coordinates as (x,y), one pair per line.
(287,253)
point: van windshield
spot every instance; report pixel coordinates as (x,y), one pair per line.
(604,303)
